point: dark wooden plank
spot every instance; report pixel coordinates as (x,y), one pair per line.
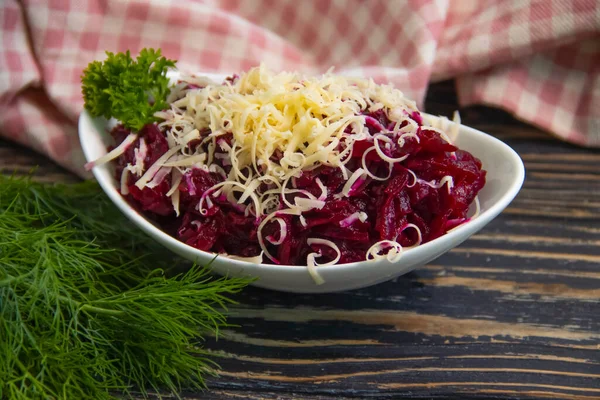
(510,314)
(18,160)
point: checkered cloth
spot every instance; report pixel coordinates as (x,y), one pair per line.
(539,59)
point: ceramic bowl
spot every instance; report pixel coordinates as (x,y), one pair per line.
(505,174)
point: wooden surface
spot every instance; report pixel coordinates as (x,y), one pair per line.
(512,313)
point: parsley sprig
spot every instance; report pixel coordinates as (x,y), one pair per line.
(127,89)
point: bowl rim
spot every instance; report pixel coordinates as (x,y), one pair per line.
(110,187)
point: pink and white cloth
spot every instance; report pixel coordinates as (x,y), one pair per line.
(538,59)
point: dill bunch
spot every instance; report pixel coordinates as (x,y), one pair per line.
(84,312)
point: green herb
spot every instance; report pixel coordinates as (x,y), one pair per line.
(130,91)
(83,315)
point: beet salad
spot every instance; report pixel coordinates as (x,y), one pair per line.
(288,169)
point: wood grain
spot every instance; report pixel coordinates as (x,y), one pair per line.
(513,313)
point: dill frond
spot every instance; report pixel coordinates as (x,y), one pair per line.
(85,312)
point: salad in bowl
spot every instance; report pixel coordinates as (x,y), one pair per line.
(281,169)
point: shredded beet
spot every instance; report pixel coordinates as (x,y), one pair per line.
(413,194)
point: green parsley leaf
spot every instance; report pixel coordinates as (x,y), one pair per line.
(126,89)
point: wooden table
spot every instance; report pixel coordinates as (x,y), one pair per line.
(512,313)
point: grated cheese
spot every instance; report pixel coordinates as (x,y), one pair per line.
(114,153)
(124,178)
(394,251)
(149,174)
(310,121)
(173,193)
(356,175)
(357,216)
(282,232)
(311,258)
(140,154)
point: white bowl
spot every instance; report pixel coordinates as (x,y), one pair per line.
(505,174)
